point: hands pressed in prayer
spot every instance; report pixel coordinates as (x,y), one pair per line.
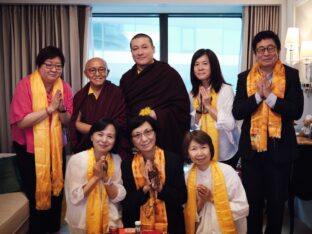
(264,87)
(105,165)
(100,168)
(204,97)
(152,177)
(203,195)
(57,100)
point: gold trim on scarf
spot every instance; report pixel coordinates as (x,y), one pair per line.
(153,214)
(47,145)
(208,124)
(97,203)
(265,122)
(220,196)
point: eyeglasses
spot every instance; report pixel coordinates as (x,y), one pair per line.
(101,70)
(147,133)
(50,66)
(261,50)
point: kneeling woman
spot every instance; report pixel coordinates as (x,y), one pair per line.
(154,181)
(216,201)
(93,184)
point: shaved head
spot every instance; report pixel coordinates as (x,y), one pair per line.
(95,60)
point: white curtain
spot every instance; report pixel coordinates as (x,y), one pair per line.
(256,19)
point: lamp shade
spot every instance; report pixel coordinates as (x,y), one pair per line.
(292,37)
(306,50)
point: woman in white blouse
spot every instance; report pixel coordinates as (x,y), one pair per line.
(93,183)
(211,106)
(216,199)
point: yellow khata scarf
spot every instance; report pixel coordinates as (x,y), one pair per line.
(208,124)
(47,145)
(221,201)
(97,203)
(153,214)
(265,121)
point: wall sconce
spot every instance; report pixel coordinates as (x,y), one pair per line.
(292,45)
(306,57)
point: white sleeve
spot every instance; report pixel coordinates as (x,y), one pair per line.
(271,100)
(258,98)
(225,119)
(117,180)
(236,193)
(76,177)
(194,126)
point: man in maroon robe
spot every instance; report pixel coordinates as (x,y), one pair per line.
(154,84)
(97,99)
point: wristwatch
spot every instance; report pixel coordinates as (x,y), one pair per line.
(204,111)
(63,110)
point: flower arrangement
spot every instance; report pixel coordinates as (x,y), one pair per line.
(307,127)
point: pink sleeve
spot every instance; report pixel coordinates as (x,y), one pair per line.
(21,104)
(68,97)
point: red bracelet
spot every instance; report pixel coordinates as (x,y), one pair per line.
(46,109)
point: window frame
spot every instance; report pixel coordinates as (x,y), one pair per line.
(163,23)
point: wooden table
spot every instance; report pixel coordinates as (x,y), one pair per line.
(300,185)
(302,170)
(304,140)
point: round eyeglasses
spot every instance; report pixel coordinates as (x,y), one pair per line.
(101,70)
(147,133)
(50,66)
(261,50)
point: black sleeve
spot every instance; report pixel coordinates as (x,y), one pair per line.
(243,106)
(174,190)
(134,198)
(291,106)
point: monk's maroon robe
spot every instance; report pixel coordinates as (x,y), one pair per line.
(110,104)
(161,88)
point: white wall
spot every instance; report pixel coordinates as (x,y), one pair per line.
(303,20)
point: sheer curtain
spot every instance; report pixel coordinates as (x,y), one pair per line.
(256,19)
(25,29)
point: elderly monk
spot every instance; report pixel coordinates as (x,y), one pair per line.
(96,100)
(157,88)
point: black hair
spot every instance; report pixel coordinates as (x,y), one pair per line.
(141,35)
(49,52)
(100,125)
(216,78)
(266,35)
(200,137)
(139,120)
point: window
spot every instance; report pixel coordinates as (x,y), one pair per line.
(111,38)
(186,34)
(220,34)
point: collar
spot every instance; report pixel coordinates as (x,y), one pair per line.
(91,91)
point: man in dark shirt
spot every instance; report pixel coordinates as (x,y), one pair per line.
(159,88)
